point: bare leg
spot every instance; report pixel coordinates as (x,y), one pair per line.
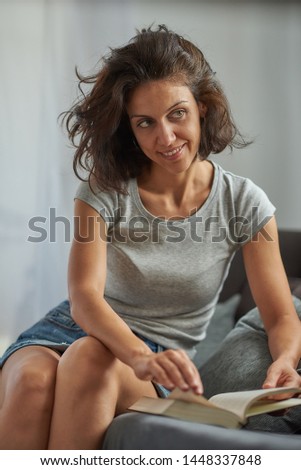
(26,398)
(92,387)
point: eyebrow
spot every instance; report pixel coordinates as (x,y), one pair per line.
(169,109)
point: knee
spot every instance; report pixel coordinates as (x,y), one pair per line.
(93,362)
(250,322)
(88,354)
(35,383)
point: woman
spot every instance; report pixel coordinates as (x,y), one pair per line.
(156,227)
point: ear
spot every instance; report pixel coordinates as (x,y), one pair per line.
(202,109)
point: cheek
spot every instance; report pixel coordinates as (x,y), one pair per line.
(198,130)
(144,141)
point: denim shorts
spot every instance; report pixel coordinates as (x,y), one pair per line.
(161,391)
(57,331)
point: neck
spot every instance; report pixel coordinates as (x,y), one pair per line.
(175,186)
(173,196)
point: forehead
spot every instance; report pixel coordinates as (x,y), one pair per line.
(163,93)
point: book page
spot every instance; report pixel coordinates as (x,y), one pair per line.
(268,406)
(155,405)
(239,402)
(198,413)
(187,410)
(190,397)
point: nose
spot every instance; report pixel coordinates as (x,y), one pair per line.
(165,134)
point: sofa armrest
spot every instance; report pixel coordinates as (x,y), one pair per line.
(236,282)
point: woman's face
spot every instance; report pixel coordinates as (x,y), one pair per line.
(165,120)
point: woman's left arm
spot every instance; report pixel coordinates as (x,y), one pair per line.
(271,292)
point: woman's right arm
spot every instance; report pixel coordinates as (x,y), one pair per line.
(86,284)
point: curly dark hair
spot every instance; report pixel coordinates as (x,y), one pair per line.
(98,125)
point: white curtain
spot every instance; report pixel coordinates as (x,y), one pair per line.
(255,50)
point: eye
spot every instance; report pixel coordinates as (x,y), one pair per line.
(144,124)
(178,113)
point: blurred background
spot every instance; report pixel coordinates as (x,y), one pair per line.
(255,48)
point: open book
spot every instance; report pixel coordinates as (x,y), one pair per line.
(230,410)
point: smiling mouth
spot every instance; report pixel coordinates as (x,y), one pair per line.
(173,153)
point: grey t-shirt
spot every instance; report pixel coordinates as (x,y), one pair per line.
(164,276)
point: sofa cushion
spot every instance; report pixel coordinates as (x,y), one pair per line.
(226,314)
(247,303)
(221,323)
(295,285)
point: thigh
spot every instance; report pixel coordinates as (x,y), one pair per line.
(243,358)
(239,364)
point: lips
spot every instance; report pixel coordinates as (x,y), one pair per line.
(173,153)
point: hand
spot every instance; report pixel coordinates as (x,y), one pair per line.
(281,374)
(171,368)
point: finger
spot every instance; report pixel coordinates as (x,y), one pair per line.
(157,369)
(147,368)
(158,374)
(284,381)
(290,381)
(180,370)
(165,372)
(189,372)
(192,377)
(272,378)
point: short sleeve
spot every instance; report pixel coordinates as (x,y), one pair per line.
(105,203)
(253,212)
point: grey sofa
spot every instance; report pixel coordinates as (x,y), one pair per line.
(138,431)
